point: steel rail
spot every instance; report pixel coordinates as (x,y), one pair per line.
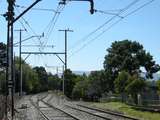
(42,114)
(107,112)
(71,115)
(89,113)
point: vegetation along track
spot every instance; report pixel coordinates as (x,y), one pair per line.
(49,112)
(107,115)
(2,105)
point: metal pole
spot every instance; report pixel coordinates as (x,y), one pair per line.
(65,63)
(63,80)
(7,73)
(20,66)
(66,50)
(66,31)
(20,61)
(9,69)
(12,67)
(57,70)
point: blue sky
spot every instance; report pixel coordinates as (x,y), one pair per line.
(142,26)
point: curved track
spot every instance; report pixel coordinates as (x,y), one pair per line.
(84,112)
(100,112)
(48,112)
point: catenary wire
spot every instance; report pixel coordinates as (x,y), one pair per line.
(115,23)
(101,26)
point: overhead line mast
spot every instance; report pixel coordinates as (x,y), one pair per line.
(66,31)
(20,59)
(9,68)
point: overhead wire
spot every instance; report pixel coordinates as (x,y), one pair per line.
(49,25)
(52,24)
(32,30)
(115,23)
(102,25)
(22,24)
(39,9)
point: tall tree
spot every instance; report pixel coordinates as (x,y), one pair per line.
(129,56)
(121,82)
(80,89)
(98,84)
(134,86)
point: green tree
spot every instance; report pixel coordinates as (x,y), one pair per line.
(98,84)
(29,76)
(128,56)
(121,82)
(54,82)
(70,81)
(80,88)
(42,77)
(135,85)
(158,85)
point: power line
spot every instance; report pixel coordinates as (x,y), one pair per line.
(105,23)
(108,13)
(27,23)
(52,24)
(40,9)
(49,46)
(115,23)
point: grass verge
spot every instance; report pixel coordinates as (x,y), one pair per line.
(128,110)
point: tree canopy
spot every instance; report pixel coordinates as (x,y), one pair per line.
(129,56)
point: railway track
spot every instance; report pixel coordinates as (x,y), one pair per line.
(87,113)
(97,111)
(48,112)
(70,111)
(44,117)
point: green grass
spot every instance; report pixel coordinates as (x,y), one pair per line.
(128,110)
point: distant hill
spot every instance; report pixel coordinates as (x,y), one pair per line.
(81,72)
(156,76)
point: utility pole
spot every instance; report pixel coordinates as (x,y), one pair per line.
(66,31)
(65,63)
(63,80)
(20,60)
(9,68)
